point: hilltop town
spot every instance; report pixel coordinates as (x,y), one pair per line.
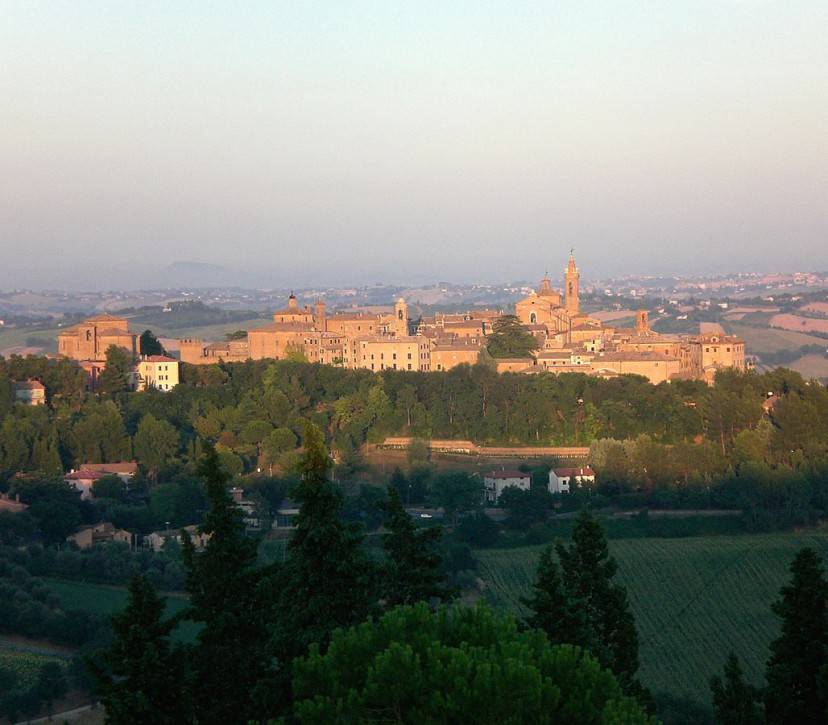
(379,338)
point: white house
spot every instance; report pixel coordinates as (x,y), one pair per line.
(560,479)
(496,481)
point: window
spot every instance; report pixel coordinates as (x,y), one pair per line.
(409,356)
(409,366)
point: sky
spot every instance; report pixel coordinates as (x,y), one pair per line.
(341,143)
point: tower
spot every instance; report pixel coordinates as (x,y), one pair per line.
(320,316)
(292,303)
(571,280)
(400,324)
(642,323)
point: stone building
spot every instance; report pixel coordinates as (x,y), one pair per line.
(89,340)
(568,340)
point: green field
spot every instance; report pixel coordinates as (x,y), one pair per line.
(694,599)
(106,600)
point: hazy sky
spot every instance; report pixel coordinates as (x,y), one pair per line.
(341,142)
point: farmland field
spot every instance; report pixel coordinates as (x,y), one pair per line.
(766,339)
(694,599)
(811,366)
(106,600)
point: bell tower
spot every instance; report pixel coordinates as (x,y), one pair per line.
(400,324)
(320,315)
(571,280)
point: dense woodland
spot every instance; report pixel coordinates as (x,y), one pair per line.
(254,412)
(674,445)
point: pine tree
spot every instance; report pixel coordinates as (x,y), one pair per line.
(554,610)
(327,580)
(412,570)
(796,670)
(735,702)
(588,570)
(141,677)
(225,595)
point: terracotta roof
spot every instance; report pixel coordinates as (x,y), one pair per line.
(508,474)
(284,327)
(570,472)
(84,475)
(159,358)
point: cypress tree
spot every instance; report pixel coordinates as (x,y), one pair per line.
(412,569)
(225,595)
(798,665)
(735,702)
(141,678)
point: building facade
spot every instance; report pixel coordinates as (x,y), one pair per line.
(568,340)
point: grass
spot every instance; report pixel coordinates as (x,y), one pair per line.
(105,600)
(695,599)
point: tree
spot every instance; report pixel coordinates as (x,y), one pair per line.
(51,683)
(588,570)
(149,344)
(327,580)
(412,569)
(735,702)
(594,612)
(525,507)
(796,671)
(509,338)
(109,486)
(140,678)
(226,598)
(56,518)
(457,492)
(554,610)
(458,664)
(156,443)
(115,377)
(278,442)
(99,435)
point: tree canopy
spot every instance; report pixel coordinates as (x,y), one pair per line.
(459,664)
(509,338)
